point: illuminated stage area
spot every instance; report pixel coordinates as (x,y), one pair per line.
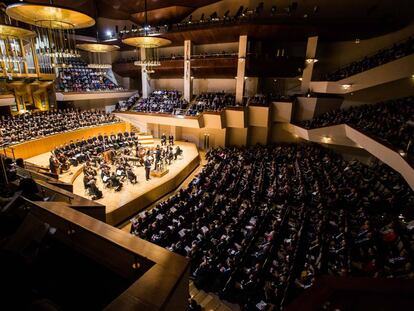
(132,197)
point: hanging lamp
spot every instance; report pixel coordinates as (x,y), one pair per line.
(149,43)
(55,28)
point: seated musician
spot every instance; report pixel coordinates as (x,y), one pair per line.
(105,174)
(89,170)
(115,182)
(53,164)
(120,170)
(94,190)
(131,176)
(178,152)
(163,139)
(139,154)
(63,162)
(171,139)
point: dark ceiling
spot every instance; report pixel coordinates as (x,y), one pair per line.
(330,19)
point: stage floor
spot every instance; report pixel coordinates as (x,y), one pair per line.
(130,192)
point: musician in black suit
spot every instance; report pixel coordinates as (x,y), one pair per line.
(163,139)
(157,156)
(171,139)
(52,164)
(131,176)
(147,165)
(178,152)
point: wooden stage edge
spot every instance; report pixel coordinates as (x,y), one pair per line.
(121,214)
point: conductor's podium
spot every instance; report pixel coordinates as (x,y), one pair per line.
(159,173)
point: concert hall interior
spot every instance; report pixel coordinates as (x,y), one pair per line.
(207,155)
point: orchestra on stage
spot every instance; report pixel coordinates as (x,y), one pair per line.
(112,158)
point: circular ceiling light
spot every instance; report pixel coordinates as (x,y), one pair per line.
(146,42)
(16,32)
(97,47)
(49,16)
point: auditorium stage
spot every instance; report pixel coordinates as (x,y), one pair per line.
(133,197)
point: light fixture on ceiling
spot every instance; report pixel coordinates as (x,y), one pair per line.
(55,28)
(346,86)
(96,49)
(151,44)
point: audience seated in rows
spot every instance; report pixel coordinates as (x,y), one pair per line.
(391,121)
(28,126)
(258,100)
(127,104)
(180,56)
(161,101)
(381,57)
(212,101)
(260,223)
(243,14)
(78,77)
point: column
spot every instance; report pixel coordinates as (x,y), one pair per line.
(309,62)
(241,68)
(188,83)
(146,87)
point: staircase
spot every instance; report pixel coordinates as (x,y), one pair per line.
(210,301)
(145,140)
